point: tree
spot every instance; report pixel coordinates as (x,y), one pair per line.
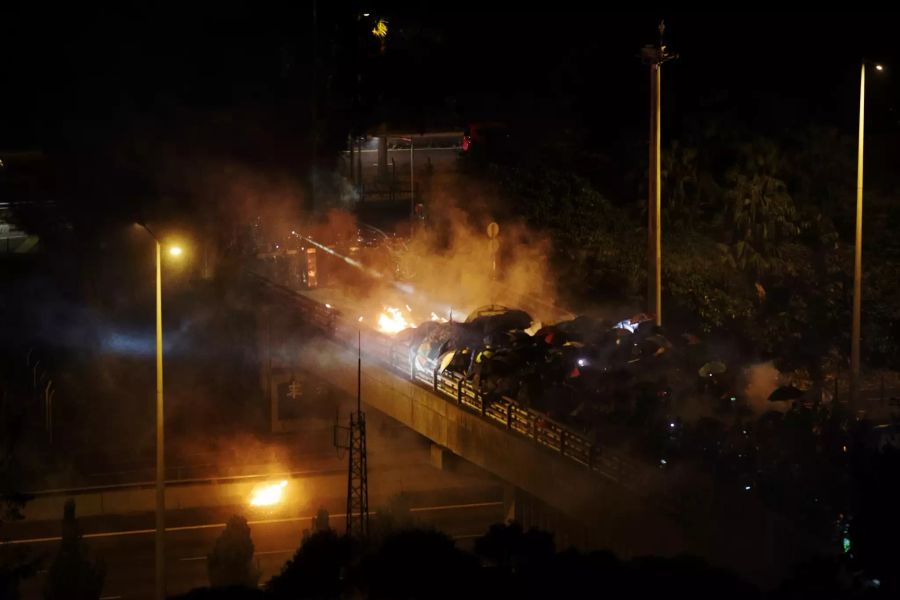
(680,186)
(15,562)
(316,569)
(760,211)
(510,548)
(392,517)
(419,563)
(73,575)
(231,561)
(229,593)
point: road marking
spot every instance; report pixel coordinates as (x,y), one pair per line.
(257,522)
(455,506)
(289,551)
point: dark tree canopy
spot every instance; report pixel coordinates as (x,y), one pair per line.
(231,561)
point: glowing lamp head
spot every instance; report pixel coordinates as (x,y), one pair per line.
(879,67)
(175,251)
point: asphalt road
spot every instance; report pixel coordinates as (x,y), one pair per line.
(462,502)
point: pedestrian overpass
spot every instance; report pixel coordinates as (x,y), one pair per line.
(591,496)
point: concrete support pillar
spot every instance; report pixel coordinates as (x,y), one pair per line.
(438,456)
(511,509)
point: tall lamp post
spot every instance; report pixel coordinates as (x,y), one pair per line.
(174,251)
(857,253)
(654,57)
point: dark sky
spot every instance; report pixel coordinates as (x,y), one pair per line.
(69,75)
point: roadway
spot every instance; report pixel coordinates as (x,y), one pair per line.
(463,503)
(459,499)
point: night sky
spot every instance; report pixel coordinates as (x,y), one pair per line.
(111,90)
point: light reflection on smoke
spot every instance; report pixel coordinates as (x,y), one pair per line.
(136,344)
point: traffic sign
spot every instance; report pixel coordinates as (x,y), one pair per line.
(493,229)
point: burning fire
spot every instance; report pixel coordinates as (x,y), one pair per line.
(392,321)
(268,494)
(434,317)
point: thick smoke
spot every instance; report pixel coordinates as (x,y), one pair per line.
(453,263)
(761,379)
(448,266)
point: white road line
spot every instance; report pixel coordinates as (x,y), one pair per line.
(288,551)
(264,552)
(257,522)
(454,506)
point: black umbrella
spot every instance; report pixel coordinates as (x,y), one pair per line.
(497,322)
(786,392)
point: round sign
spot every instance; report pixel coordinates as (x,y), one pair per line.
(493,230)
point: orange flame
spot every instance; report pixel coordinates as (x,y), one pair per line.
(392,321)
(268,494)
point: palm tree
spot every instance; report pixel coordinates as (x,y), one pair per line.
(759,212)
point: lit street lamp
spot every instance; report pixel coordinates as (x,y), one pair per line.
(174,251)
(857,254)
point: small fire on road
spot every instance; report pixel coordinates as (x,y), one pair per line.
(268,494)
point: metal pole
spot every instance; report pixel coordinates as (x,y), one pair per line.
(857,255)
(412,184)
(34,377)
(654,57)
(50,414)
(160,439)
(657,197)
(313,107)
(358,371)
(651,198)
(359,173)
(47,404)
(352,176)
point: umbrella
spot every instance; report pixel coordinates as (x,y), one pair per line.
(446,359)
(786,392)
(491,322)
(489,310)
(583,328)
(712,368)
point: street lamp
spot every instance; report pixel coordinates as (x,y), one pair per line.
(857,254)
(174,251)
(655,57)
